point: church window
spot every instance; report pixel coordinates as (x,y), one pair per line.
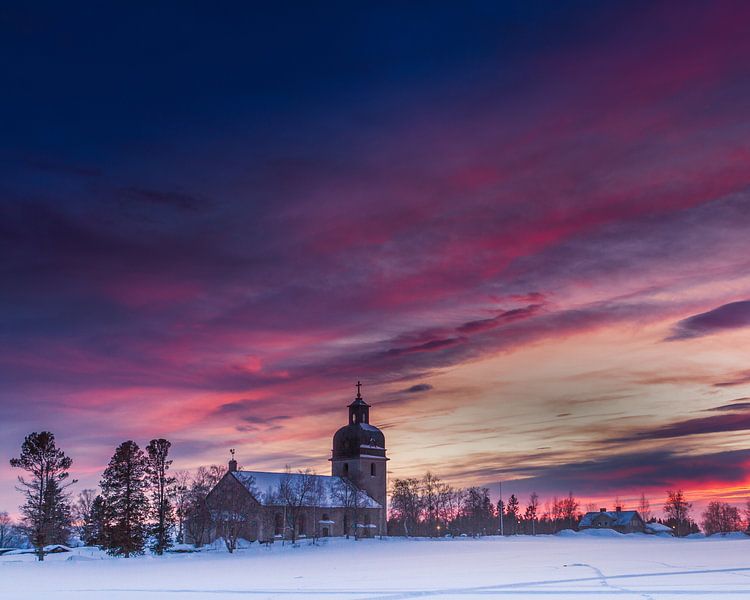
(372,469)
(301,524)
(346,469)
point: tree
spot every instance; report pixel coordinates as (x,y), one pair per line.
(569,509)
(531,511)
(231,508)
(406,504)
(82,514)
(351,498)
(46,512)
(430,489)
(197,514)
(644,508)
(157,468)
(124,488)
(97,525)
(511,511)
(295,493)
(677,509)
(8,532)
(720,517)
(478,512)
(180,496)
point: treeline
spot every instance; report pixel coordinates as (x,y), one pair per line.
(140,505)
(431,507)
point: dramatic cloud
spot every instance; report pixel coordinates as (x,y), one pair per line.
(728,316)
(738,420)
(491,216)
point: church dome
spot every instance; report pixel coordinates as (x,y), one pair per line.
(358,437)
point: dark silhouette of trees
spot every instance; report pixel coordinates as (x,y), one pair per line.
(198,520)
(677,510)
(477,513)
(531,514)
(160,482)
(10,536)
(46,512)
(406,505)
(124,487)
(720,517)
(511,514)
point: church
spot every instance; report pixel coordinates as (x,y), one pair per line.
(350,501)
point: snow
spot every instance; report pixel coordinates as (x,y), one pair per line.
(566,567)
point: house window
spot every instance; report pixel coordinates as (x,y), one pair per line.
(372,469)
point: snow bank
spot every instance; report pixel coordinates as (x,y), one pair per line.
(568,566)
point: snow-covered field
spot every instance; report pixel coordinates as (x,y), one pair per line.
(564,567)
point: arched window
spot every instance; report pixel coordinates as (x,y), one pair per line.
(372,469)
(346,469)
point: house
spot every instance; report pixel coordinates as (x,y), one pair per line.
(258,505)
(624,521)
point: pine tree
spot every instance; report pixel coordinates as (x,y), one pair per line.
(512,513)
(124,488)
(532,511)
(96,527)
(157,467)
(46,512)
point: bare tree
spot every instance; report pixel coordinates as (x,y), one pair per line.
(720,517)
(348,495)
(180,496)
(570,509)
(8,537)
(644,508)
(406,504)
(232,508)
(82,508)
(295,492)
(197,515)
(677,508)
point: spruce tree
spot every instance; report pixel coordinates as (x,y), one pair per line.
(46,512)
(96,527)
(157,468)
(124,488)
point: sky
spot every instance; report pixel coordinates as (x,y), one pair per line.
(523,226)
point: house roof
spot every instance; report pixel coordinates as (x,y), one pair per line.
(262,486)
(621,518)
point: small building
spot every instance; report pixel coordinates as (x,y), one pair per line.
(624,521)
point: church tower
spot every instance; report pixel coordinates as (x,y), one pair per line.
(359,454)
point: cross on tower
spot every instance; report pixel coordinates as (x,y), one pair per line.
(231,451)
(359,385)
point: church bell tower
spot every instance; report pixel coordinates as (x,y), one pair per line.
(359,453)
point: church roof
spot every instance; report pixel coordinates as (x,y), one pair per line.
(262,485)
(621,518)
